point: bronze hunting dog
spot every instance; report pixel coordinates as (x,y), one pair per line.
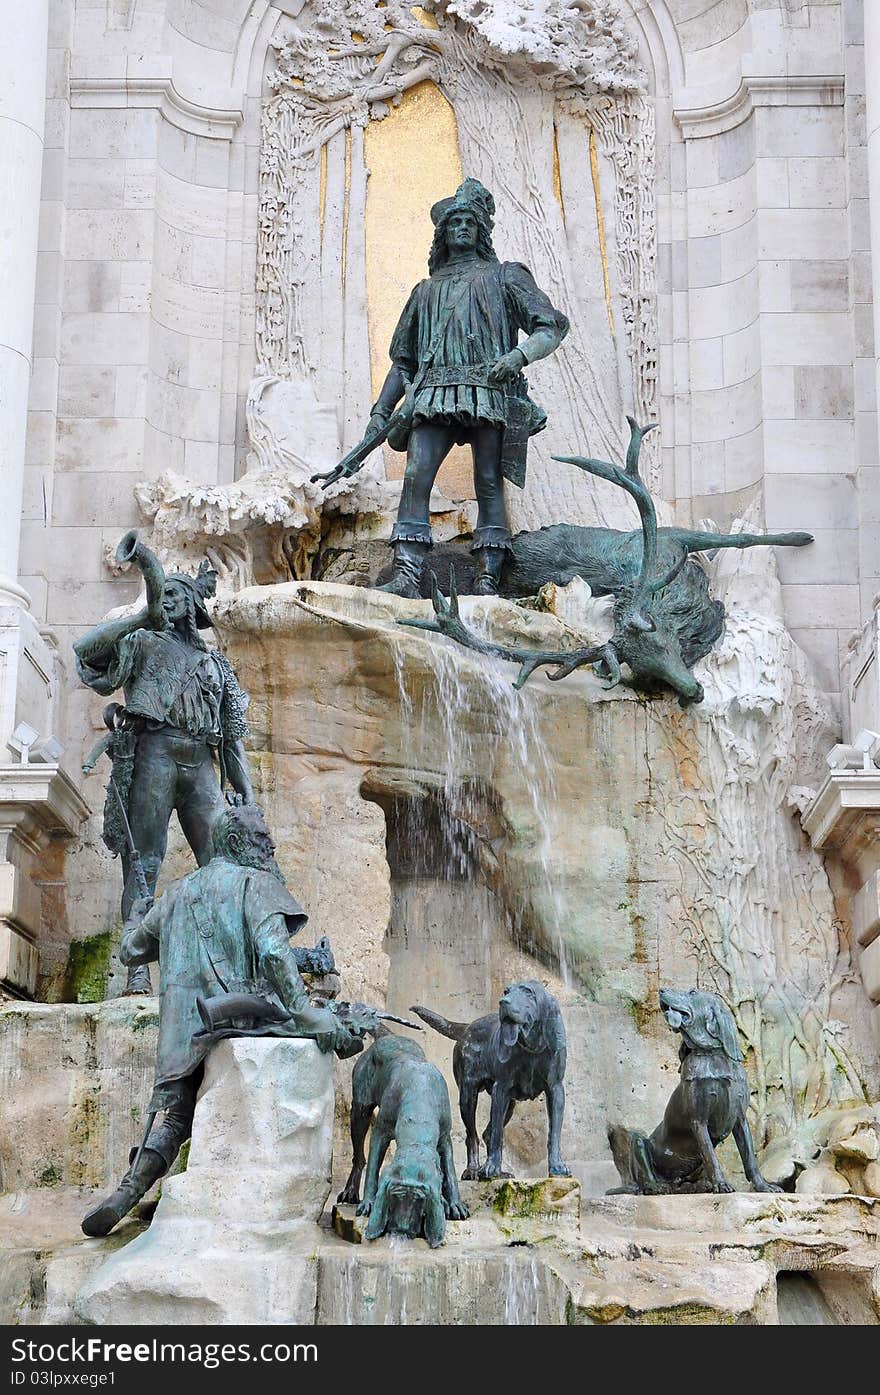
(709,1104)
(515,1054)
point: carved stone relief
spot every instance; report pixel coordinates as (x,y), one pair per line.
(755,902)
(339,66)
(563,87)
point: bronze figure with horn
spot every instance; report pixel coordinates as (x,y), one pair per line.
(183,720)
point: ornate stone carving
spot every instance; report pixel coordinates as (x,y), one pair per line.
(337,67)
(625,130)
(755,901)
(263,527)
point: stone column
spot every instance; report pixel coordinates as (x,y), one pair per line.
(23,59)
(872,137)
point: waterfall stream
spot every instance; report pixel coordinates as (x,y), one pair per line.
(453,707)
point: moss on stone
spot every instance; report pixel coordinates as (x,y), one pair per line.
(88,963)
(606,1312)
(676,1315)
(519,1200)
(51,1176)
(143,1020)
(684,1315)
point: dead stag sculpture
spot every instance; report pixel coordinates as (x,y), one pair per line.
(664,617)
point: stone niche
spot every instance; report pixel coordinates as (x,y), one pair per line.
(451,835)
(354,93)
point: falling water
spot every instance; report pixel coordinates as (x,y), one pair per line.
(521,1291)
(515,734)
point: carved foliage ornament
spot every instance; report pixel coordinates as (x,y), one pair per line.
(340,65)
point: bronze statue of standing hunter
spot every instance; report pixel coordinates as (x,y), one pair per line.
(179,738)
(456,363)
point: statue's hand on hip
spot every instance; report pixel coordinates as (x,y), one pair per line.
(506,368)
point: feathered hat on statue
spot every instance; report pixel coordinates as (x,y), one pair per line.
(470,195)
(201,587)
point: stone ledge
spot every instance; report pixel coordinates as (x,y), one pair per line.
(46,793)
(633,1260)
(137,86)
(845,814)
(36,802)
(524,1211)
(865,910)
(784,89)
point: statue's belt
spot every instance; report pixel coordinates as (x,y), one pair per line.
(138,722)
(458,375)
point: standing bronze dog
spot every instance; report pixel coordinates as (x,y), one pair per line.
(418,1190)
(708,1105)
(515,1054)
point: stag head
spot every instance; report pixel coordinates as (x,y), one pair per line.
(642,639)
(653,654)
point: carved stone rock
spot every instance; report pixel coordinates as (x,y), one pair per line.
(232,1235)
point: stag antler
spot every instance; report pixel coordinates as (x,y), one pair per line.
(447,621)
(646,584)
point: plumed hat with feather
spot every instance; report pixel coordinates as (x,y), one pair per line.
(471,196)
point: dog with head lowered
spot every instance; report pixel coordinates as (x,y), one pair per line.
(705,1108)
(514,1054)
(418,1191)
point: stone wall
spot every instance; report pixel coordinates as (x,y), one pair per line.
(770,342)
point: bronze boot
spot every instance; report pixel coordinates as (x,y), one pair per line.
(135,1184)
(490,561)
(406,579)
(138,981)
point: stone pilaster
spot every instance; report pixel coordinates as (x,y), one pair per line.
(844,819)
(37,802)
(23,60)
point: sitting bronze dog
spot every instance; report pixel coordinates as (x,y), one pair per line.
(708,1105)
(418,1189)
(515,1054)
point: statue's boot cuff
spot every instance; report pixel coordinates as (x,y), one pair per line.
(491,536)
(406,579)
(411,532)
(138,981)
(137,1181)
